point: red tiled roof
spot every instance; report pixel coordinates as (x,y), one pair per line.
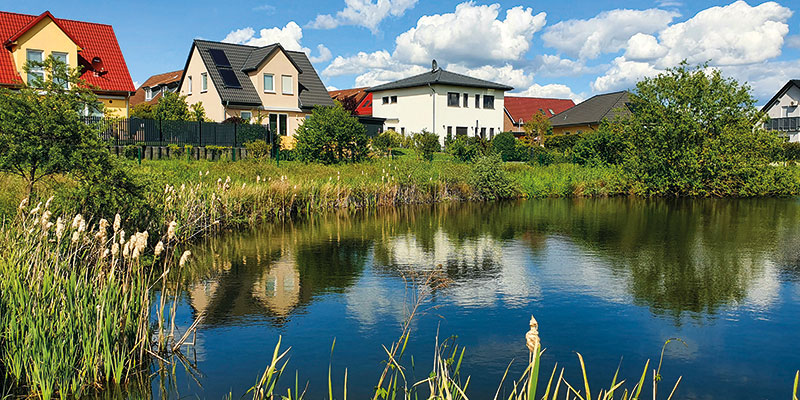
(524,107)
(95,40)
(155,80)
(357,96)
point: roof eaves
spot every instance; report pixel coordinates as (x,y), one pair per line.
(36,21)
(784,89)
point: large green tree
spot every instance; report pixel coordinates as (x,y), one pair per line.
(42,126)
(331,135)
(693,132)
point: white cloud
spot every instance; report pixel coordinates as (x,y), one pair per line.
(642,47)
(378,76)
(558,91)
(608,32)
(364,13)
(324,54)
(553,65)
(623,75)
(360,63)
(522,82)
(471,35)
(289,37)
(331,88)
(269,9)
(765,79)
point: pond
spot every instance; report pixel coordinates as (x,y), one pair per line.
(612,279)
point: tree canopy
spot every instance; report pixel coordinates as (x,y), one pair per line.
(331,135)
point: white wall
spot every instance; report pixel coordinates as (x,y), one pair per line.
(778,109)
(414,110)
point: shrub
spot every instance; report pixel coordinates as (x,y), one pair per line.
(175,150)
(131,151)
(505,144)
(562,143)
(258,149)
(235,120)
(489,180)
(387,140)
(466,149)
(791,151)
(426,144)
(606,146)
(331,135)
(542,156)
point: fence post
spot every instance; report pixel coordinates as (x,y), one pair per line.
(160,133)
(215,134)
(234,136)
(200,134)
(140,154)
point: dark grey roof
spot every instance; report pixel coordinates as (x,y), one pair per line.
(246,58)
(441,77)
(784,89)
(312,90)
(594,110)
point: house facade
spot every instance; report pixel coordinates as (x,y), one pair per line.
(587,116)
(783,111)
(518,110)
(268,84)
(441,102)
(89,46)
(157,86)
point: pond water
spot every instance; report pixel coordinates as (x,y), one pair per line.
(612,279)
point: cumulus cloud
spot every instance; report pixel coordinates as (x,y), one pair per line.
(553,65)
(289,37)
(623,75)
(522,82)
(471,35)
(379,76)
(364,13)
(608,32)
(557,91)
(642,47)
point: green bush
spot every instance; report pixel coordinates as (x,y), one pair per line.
(175,150)
(331,135)
(131,151)
(561,143)
(606,146)
(466,149)
(791,151)
(489,180)
(387,140)
(426,143)
(505,144)
(258,149)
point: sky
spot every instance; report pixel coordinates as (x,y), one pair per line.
(567,49)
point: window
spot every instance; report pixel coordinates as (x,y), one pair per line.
(542,111)
(483,133)
(551,111)
(391,128)
(203,82)
(394,99)
(287,84)
(466,100)
(36,72)
(189,85)
(452,99)
(449,131)
(269,83)
(403,130)
(477,101)
(62,57)
(784,111)
(148,94)
(279,123)
(491,133)
(488,102)
(461,131)
(246,115)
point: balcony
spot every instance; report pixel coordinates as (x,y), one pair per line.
(790,124)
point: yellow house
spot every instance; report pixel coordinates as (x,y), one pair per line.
(89,46)
(269,84)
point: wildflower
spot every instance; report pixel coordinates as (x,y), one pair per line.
(38,207)
(46,217)
(201,173)
(258,178)
(159,248)
(23,203)
(171,230)
(76,221)
(59,228)
(532,337)
(115,250)
(75,236)
(168,200)
(117,222)
(166,189)
(185,258)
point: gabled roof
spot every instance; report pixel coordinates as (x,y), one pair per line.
(784,89)
(440,77)
(95,40)
(154,81)
(522,108)
(242,57)
(33,23)
(594,110)
(358,94)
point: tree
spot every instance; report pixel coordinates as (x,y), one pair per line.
(505,144)
(426,143)
(172,107)
(42,128)
(387,140)
(143,111)
(331,135)
(536,127)
(197,112)
(693,132)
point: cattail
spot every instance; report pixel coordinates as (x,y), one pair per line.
(126,249)
(159,248)
(121,237)
(23,203)
(59,228)
(115,250)
(47,204)
(46,218)
(103,224)
(185,258)
(171,230)
(532,337)
(82,226)
(104,254)
(38,207)
(117,222)
(76,221)
(75,236)
(135,254)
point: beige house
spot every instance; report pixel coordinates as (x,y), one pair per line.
(267,84)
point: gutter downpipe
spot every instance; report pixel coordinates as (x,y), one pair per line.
(434,106)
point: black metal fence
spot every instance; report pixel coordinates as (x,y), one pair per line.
(150,132)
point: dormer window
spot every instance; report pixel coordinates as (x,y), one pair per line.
(148,94)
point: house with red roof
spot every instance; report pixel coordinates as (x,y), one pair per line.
(92,47)
(358,101)
(519,110)
(157,86)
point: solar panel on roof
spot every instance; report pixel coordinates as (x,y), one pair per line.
(219,57)
(229,78)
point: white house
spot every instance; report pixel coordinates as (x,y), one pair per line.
(784,111)
(441,102)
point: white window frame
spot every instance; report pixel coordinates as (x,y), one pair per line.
(264,83)
(148,94)
(203,82)
(249,115)
(37,70)
(283,85)
(189,86)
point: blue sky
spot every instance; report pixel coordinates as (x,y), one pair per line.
(552,49)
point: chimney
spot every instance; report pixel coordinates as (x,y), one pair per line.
(434,66)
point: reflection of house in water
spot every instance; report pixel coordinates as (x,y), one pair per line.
(278,289)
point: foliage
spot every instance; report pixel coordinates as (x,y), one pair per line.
(426,143)
(235,119)
(172,107)
(692,134)
(258,149)
(466,148)
(42,131)
(144,111)
(331,135)
(197,112)
(489,180)
(605,146)
(562,143)
(505,145)
(536,127)
(791,151)
(132,151)
(387,140)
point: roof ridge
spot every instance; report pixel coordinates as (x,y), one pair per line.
(621,94)
(227,43)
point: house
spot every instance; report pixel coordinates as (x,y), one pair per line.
(519,110)
(784,112)
(156,86)
(359,102)
(234,80)
(90,46)
(588,115)
(441,102)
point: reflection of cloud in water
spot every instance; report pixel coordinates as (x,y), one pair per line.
(763,288)
(373,298)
